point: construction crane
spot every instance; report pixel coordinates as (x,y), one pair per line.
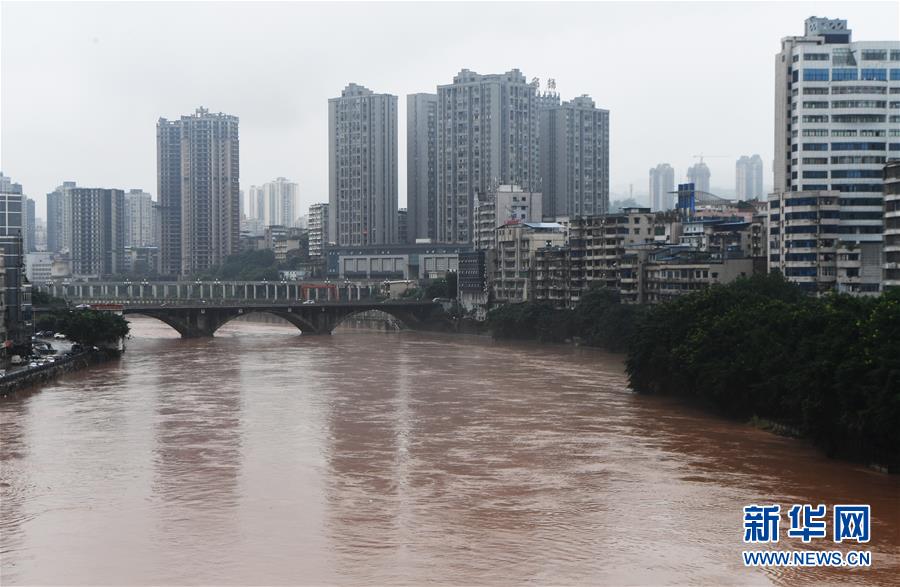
(702,155)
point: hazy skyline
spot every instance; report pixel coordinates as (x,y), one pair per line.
(83,84)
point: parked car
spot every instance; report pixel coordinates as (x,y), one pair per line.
(32,364)
(17,360)
(60,336)
(309,302)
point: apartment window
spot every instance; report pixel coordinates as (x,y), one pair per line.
(856,174)
(858,104)
(895,55)
(815,75)
(815,174)
(874,55)
(871,133)
(844,75)
(815,56)
(815,146)
(851,160)
(858,90)
(815,160)
(895,74)
(857,146)
(843,133)
(815,132)
(815,105)
(874,75)
(858,118)
(843,56)
(814,91)
(814,187)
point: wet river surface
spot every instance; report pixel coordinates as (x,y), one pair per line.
(265,457)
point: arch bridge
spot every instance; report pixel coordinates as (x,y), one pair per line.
(197,309)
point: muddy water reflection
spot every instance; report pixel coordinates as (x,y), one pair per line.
(267,458)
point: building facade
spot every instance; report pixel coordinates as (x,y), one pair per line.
(891,276)
(318,229)
(16,295)
(662,184)
(421,165)
(574,158)
(504,205)
(362,167)
(698,174)
(98,231)
(487,134)
(748,178)
(835,127)
(140,216)
(277,202)
(198,182)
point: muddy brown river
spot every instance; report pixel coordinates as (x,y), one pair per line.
(265,457)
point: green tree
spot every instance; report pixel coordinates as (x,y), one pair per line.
(91,327)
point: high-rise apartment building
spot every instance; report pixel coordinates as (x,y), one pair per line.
(421,165)
(28,228)
(97,231)
(698,174)
(139,219)
(835,127)
(748,178)
(15,302)
(318,229)
(58,235)
(487,135)
(662,184)
(198,164)
(362,167)
(574,158)
(278,202)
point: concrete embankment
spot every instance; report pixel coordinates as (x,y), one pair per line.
(25,378)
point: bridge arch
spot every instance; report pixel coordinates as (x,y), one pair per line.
(302,324)
(173,322)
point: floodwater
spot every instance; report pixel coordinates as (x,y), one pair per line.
(265,457)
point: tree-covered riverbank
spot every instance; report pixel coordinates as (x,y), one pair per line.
(758,348)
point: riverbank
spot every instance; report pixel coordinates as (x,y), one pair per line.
(27,378)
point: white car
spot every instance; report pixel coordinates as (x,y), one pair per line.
(32,364)
(60,336)
(309,302)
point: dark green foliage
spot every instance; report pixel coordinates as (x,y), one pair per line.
(90,327)
(599,320)
(759,347)
(441,288)
(42,299)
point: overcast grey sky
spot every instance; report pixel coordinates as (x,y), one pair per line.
(83,84)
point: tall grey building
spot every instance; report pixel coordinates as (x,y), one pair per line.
(15,304)
(421,165)
(98,231)
(28,229)
(139,219)
(748,178)
(698,174)
(574,149)
(57,229)
(362,167)
(318,229)
(662,184)
(198,176)
(487,134)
